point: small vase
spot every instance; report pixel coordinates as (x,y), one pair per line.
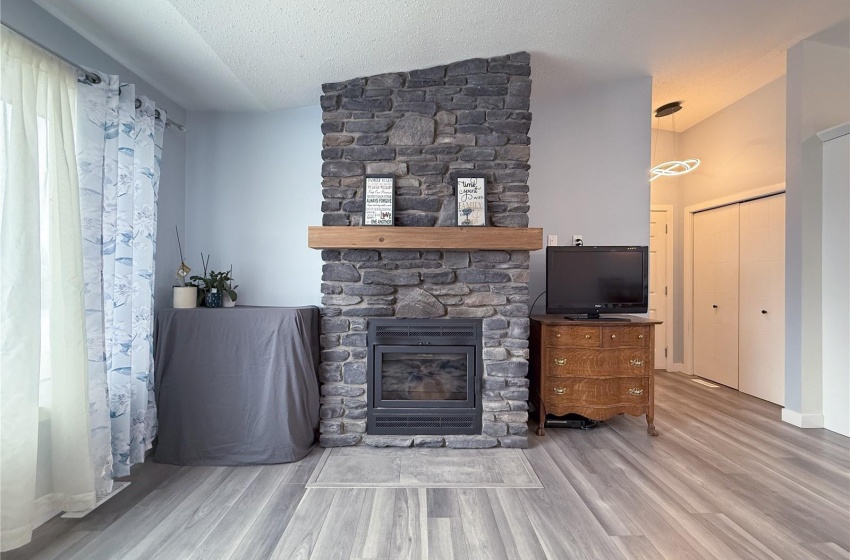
(213,298)
(227,302)
(185,297)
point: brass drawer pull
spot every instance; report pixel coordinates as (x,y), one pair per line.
(559,390)
(636,363)
(560,361)
(635,391)
(613,336)
(557,335)
(587,336)
(640,336)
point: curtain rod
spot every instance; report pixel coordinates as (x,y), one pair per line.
(90,76)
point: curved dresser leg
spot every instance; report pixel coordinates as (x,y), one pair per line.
(650,426)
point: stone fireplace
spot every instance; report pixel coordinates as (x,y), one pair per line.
(424,127)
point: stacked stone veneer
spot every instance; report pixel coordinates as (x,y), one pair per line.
(425,127)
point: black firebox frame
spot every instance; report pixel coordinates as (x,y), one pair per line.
(424,417)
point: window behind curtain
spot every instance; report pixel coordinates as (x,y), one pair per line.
(44,208)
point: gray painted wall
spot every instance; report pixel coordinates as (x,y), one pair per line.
(590,169)
(250,194)
(31,20)
(253,187)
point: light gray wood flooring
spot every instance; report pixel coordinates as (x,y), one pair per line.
(725,479)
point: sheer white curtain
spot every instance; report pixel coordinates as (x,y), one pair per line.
(42,325)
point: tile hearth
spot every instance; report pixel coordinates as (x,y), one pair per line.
(366,467)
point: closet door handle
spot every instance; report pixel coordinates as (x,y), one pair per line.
(714,306)
(764,311)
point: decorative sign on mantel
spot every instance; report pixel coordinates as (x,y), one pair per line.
(379,200)
(471,200)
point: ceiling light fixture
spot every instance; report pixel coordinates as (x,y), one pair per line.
(673,167)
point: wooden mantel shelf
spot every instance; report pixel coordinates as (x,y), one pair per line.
(389,237)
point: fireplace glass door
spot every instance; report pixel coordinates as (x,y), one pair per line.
(422,376)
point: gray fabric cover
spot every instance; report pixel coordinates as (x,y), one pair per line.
(236,386)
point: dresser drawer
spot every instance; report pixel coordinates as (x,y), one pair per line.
(567,362)
(625,337)
(565,336)
(577,391)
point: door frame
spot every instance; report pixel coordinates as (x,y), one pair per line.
(668,312)
(688,248)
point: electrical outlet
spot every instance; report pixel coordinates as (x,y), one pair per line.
(577,240)
(553,241)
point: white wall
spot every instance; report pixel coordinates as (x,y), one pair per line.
(668,191)
(818,81)
(836,271)
(741,147)
(589,168)
(31,20)
(665,147)
(253,186)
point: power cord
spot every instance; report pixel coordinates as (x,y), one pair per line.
(535,302)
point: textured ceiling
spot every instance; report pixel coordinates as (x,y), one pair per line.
(265,55)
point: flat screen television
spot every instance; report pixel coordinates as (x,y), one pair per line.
(589,281)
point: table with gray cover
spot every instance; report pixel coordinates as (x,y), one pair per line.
(236,386)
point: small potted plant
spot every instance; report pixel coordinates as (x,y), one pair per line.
(185,296)
(213,285)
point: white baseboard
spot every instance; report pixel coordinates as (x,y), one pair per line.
(116,487)
(842,428)
(43,513)
(676,367)
(802,420)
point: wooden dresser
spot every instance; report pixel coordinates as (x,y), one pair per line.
(594,368)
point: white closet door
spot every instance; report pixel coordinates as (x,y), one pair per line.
(761,336)
(658,232)
(715,292)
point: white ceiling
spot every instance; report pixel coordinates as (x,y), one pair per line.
(248,55)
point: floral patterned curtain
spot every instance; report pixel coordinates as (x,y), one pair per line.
(119,146)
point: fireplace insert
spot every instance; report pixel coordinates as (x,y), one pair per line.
(424,376)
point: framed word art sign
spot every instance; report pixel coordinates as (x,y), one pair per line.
(471,200)
(379,200)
